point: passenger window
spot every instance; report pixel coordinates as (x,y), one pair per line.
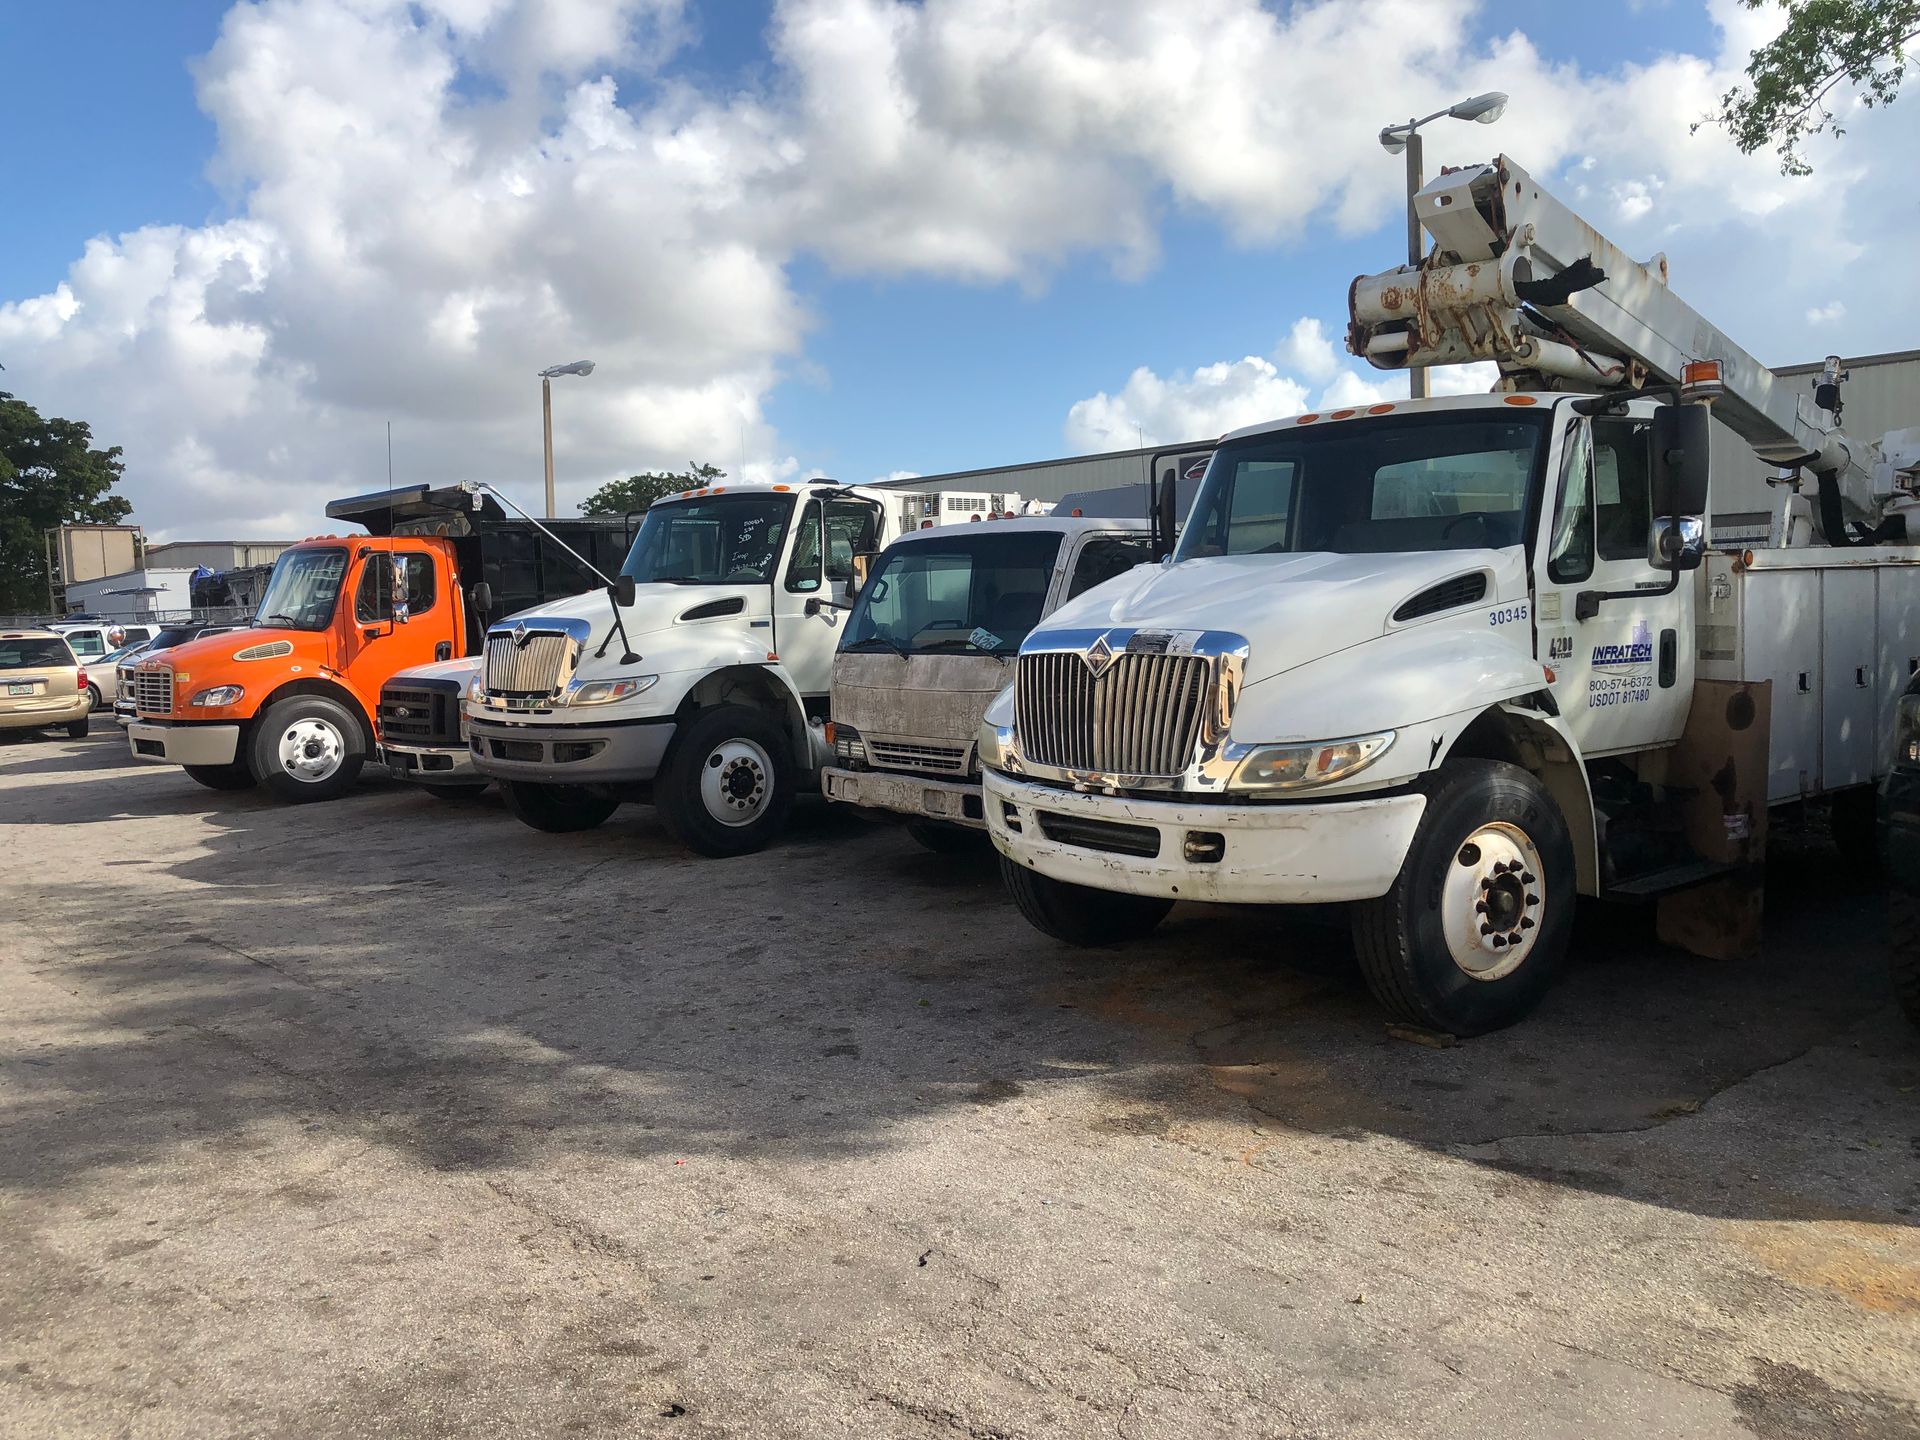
(803,571)
(1104,557)
(373,602)
(851,531)
(1570,556)
(1623,488)
(87,644)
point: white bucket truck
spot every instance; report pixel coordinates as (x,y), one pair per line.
(699,679)
(930,642)
(1456,661)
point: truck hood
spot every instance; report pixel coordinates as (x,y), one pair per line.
(656,610)
(1291,609)
(194,656)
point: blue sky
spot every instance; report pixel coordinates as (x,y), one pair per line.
(868,364)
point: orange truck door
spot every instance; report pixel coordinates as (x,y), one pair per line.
(379,639)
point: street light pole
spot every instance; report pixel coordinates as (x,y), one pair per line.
(546,433)
(1416,374)
(1485,109)
(578,367)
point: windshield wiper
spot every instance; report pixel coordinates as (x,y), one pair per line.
(276,618)
(879,640)
(964,643)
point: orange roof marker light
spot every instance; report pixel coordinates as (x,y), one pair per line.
(1343,414)
(1379,409)
(783,489)
(1306,419)
(1520,399)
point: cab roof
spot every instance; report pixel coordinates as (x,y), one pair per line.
(1491,400)
(1030,525)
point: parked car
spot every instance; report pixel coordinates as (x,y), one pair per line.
(103,680)
(123,665)
(1900,850)
(92,639)
(42,683)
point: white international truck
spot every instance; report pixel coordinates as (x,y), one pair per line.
(930,641)
(1456,661)
(699,679)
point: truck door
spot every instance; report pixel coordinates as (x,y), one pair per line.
(828,534)
(379,638)
(1624,677)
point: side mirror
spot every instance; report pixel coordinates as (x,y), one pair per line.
(1678,543)
(1167,515)
(1682,437)
(402,609)
(623,592)
(862,565)
(482,597)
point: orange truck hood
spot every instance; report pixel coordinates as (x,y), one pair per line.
(209,661)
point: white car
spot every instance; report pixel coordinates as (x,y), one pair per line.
(92,640)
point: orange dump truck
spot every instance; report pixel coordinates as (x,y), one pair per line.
(291,701)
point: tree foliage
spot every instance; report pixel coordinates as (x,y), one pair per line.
(1826,45)
(50,475)
(637,492)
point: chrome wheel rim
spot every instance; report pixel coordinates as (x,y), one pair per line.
(1492,901)
(312,750)
(736,782)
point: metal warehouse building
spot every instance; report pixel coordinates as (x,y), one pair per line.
(1882,394)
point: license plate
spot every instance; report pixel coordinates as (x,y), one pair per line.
(13,689)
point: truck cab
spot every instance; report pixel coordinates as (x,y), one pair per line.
(930,641)
(291,700)
(702,686)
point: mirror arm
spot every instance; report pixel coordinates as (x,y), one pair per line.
(1587,603)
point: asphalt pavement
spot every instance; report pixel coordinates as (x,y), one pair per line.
(393,1117)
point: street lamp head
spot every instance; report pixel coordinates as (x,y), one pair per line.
(1393,138)
(1485,108)
(578,367)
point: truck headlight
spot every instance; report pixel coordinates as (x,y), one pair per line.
(477,688)
(219,695)
(1906,731)
(996,747)
(605,692)
(1297,767)
(848,747)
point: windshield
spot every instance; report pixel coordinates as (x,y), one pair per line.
(978,592)
(720,539)
(302,592)
(1451,481)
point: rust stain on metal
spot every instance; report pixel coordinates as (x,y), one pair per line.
(1390,298)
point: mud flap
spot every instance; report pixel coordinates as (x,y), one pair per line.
(1721,764)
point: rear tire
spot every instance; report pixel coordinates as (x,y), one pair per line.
(77,729)
(93,696)
(222,777)
(308,748)
(729,782)
(949,839)
(1078,914)
(556,809)
(1474,931)
(1903,951)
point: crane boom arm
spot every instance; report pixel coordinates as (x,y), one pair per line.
(1516,277)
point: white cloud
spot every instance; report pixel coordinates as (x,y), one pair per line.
(431,201)
(1826,314)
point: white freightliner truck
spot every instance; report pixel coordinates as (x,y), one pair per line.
(700,679)
(1456,661)
(929,643)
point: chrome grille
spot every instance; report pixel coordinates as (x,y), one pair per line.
(917,755)
(530,669)
(153,692)
(1143,716)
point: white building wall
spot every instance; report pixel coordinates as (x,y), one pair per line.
(120,597)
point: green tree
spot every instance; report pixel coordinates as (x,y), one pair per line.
(1827,44)
(50,475)
(637,492)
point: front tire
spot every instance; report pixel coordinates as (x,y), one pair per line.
(222,777)
(1078,914)
(1474,931)
(308,748)
(1903,951)
(556,809)
(729,783)
(93,696)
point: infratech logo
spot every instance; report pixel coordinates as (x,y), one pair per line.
(1622,674)
(1636,654)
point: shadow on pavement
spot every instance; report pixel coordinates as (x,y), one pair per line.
(439,979)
